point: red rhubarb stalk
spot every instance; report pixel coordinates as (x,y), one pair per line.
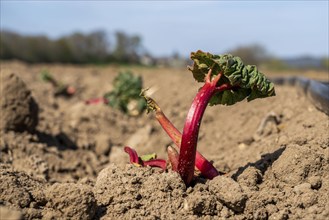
(173,157)
(134,159)
(165,123)
(187,155)
(156,163)
(95,101)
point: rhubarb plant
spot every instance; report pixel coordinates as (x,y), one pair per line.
(61,89)
(125,95)
(145,160)
(226,81)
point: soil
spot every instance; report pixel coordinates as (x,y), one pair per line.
(63,159)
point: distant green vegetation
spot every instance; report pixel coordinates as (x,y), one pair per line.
(257,55)
(96,48)
(74,48)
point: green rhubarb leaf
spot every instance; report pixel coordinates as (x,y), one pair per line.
(148,157)
(246,80)
(229,97)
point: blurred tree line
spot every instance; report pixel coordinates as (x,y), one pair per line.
(257,55)
(95,47)
(75,48)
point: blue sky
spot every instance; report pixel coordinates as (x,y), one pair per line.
(284,28)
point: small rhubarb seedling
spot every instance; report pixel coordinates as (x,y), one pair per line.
(145,160)
(95,101)
(61,89)
(226,81)
(125,94)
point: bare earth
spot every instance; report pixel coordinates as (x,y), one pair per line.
(62,159)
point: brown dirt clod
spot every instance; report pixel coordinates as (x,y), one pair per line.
(19,111)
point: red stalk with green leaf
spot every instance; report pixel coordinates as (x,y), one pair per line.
(226,81)
(61,89)
(203,165)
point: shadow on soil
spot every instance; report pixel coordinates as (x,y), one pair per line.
(61,141)
(262,165)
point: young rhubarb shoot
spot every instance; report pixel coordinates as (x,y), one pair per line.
(145,160)
(125,94)
(226,81)
(202,164)
(61,89)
